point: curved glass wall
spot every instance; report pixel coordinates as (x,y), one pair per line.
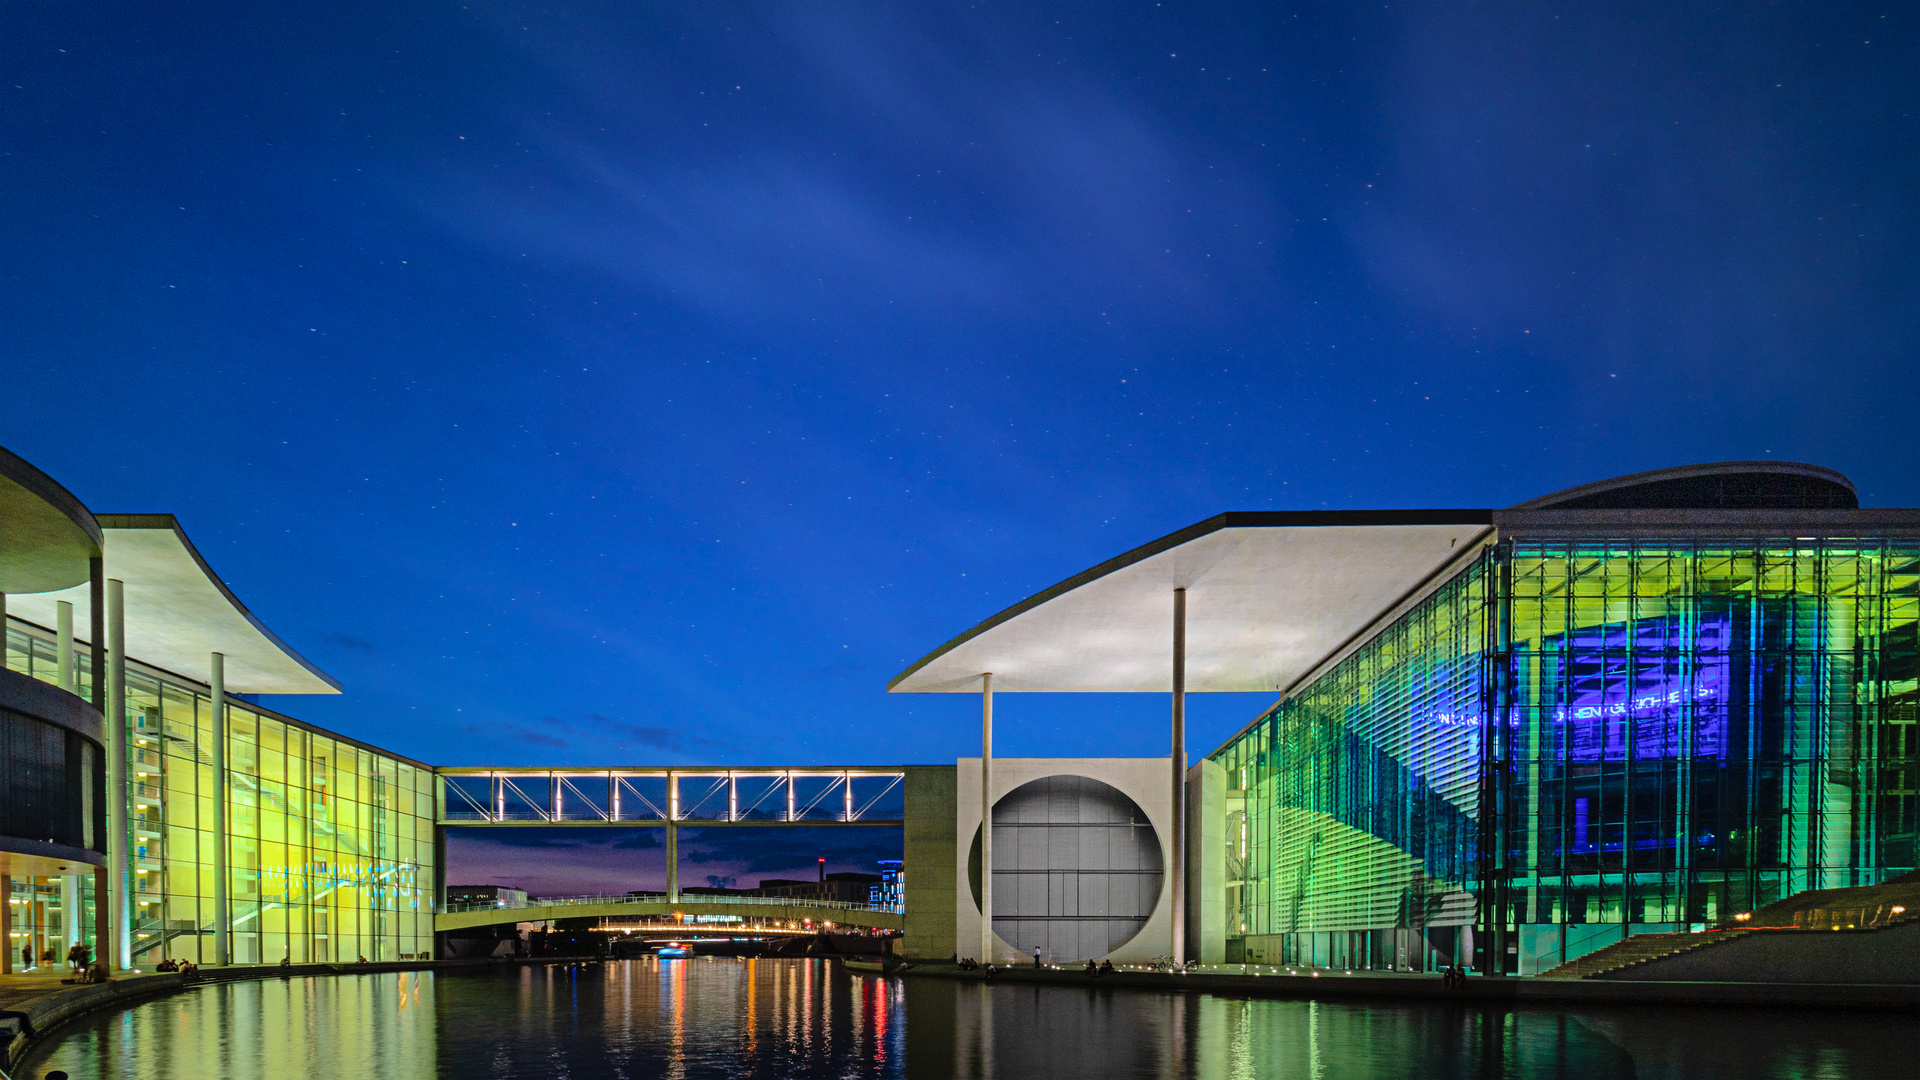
(1575,740)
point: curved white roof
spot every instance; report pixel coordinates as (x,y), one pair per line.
(1270,595)
(179,612)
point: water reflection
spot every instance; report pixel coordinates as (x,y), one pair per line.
(700,1018)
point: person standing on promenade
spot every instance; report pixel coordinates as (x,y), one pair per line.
(1036,956)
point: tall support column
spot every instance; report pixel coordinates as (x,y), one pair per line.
(119,788)
(1179,756)
(97,630)
(63,647)
(6,920)
(97,649)
(222,909)
(986,817)
(102,915)
(70,909)
(673,839)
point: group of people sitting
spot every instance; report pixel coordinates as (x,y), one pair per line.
(1452,978)
(968,963)
(184,967)
(1104,967)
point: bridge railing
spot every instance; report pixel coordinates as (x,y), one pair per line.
(661,898)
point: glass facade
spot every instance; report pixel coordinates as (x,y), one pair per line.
(1571,741)
(330,844)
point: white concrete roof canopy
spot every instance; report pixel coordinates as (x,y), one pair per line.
(1272,596)
(179,612)
(1269,596)
(46,535)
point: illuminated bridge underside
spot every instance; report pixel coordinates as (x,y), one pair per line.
(682,796)
(792,911)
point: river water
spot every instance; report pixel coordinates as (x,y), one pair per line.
(715,1017)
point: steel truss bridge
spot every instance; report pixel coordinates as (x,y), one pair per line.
(670,796)
(777,908)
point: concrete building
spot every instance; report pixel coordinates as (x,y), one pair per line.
(1503,738)
(199,825)
(1500,737)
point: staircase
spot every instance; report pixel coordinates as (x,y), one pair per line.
(1865,907)
(1637,950)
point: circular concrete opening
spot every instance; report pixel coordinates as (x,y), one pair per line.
(1076,868)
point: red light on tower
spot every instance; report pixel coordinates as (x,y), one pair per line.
(823,871)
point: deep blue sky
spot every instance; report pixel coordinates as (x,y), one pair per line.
(589,384)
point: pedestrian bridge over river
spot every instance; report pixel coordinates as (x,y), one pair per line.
(778,908)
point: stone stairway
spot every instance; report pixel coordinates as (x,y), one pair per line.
(1864,907)
(1637,950)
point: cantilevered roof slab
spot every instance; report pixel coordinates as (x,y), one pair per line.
(179,612)
(1269,596)
(46,536)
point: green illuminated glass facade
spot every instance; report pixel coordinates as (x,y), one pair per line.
(329,843)
(1572,740)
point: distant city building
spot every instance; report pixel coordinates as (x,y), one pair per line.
(497,895)
(889,892)
(848,887)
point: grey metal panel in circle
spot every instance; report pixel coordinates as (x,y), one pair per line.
(1077,868)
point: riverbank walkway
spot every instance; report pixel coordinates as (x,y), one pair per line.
(1257,980)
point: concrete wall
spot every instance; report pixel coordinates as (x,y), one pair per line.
(1144,780)
(1207,863)
(929,854)
(1877,957)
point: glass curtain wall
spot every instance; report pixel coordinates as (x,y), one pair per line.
(1701,728)
(1686,729)
(1358,796)
(330,845)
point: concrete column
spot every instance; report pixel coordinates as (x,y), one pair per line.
(1179,839)
(986,817)
(102,912)
(673,839)
(70,909)
(63,647)
(97,629)
(119,788)
(222,908)
(6,922)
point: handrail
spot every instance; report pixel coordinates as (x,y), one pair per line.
(661,898)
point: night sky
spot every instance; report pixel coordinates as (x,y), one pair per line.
(606,385)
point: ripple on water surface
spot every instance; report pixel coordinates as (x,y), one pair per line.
(808,1018)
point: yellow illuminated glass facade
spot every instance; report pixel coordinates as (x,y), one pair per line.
(330,843)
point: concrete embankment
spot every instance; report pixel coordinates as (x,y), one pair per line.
(48,1002)
(1372,986)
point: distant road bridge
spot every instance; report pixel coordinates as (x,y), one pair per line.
(780,908)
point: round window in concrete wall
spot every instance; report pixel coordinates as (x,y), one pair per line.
(1076,868)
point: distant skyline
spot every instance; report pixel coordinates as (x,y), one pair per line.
(589,384)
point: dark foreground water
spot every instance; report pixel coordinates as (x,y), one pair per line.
(809,1018)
